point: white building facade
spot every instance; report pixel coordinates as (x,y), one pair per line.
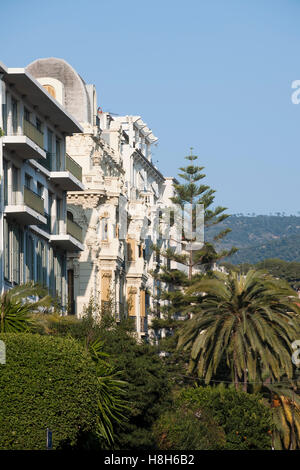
(118,208)
(36,174)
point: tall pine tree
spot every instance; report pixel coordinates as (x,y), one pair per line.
(171,299)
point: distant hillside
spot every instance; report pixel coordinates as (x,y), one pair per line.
(260,237)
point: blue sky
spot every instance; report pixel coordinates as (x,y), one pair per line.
(212,74)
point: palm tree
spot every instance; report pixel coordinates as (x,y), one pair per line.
(285,404)
(19,303)
(250,320)
(111,396)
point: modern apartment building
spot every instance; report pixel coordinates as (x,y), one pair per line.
(36,230)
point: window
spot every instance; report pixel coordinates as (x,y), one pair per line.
(131,244)
(104,225)
(71,303)
(50,202)
(58,156)
(28,181)
(6,253)
(14,110)
(105,288)
(4,114)
(142,303)
(50,89)
(38,125)
(44,265)
(59,265)
(51,273)
(13,248)
(49,140)
(26,115)
(58,214)
(40,189)
(5,181)
(17,245)
(29,256)
(15,184)
(39,262)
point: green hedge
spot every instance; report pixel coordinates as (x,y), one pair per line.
(46,382)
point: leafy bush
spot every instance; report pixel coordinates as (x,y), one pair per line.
(46,382)
(138,364)
(188,428)
(148,387)
(245,419)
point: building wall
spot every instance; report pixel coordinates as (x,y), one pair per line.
(29,223)
(117,210)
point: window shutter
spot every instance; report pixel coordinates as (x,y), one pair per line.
(142,303)
(105,286)
(131,245)
(131,300)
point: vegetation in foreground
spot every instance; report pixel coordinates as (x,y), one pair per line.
(231,329)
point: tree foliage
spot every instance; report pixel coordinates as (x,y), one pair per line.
(146,388)
(188,427)
(172,301)
(251,320)
(244,418)
(19,303)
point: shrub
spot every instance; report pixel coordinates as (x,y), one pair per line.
(245,419)
(46,382)
(188,428)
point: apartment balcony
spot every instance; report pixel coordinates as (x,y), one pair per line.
(75,230)
(70,241)
(27,143)
(67,175)
(25,207)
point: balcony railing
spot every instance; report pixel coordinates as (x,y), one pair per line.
(74,229)
(73,167)
(33,200)
(70,165)
(33,133)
